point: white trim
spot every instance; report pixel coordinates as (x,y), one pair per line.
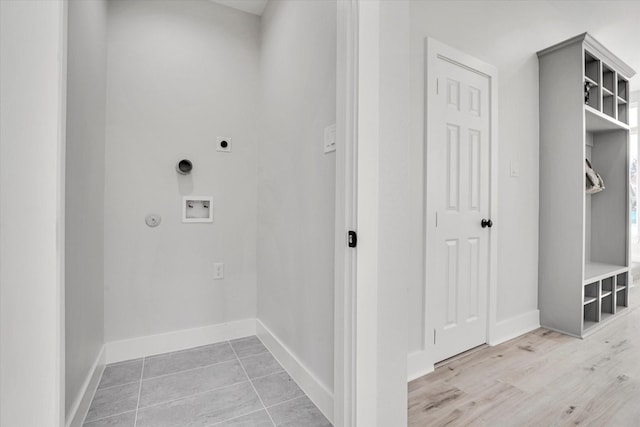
(345,216)
(420,363)
(495,214)
(319,394)
(78,411)
(513,327)
(118,351)
(61,220)
(368,176)
(433,50)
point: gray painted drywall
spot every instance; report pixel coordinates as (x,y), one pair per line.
(84,284)
(179,74)
(506,35)
(296,180)
(396,232)
(31,209)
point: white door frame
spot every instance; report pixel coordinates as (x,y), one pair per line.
(434,50)
(370,387)
(344,390)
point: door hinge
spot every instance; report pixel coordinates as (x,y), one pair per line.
(437,86)
(436,219)
(352,239)
(434,337)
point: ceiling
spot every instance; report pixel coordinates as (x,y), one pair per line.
(255,7)
(617,28)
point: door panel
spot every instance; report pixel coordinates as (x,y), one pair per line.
(458,194)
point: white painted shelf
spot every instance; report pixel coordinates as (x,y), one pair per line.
(594,271)
(596,121)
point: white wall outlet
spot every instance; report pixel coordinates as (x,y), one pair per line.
(218,271)
(330,138)
(223,144)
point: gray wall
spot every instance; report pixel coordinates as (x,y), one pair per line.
(179,74)
(296,180)
(84,293)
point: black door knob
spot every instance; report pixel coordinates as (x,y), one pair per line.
(486,223)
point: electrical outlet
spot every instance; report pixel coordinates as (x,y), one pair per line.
(218,271)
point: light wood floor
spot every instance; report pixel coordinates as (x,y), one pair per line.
(542,378)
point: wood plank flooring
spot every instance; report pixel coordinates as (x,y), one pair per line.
(542,378)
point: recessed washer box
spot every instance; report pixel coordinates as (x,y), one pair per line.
(197,209)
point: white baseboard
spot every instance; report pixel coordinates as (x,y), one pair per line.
(81,403)
(513,327)
(118,351)
(315,390)
(419,364)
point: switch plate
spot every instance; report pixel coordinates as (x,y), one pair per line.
(223,144)
(514,169)
(330,138)
(218,271)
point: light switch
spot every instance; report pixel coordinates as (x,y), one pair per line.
(218,271)
(330,138)
(514,169)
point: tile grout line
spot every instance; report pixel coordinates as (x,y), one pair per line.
(234,418)
(108,416)
(191,369)
(191,395)
(253,386)
(290,400)
(273,373)
(135,421)
(253,355)
(117,385)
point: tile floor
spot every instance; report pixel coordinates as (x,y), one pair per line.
(235,383)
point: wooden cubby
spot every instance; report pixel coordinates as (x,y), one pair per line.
(584,243)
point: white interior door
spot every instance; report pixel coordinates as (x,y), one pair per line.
(458,200)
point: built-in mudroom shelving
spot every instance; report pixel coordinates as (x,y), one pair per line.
(584,244)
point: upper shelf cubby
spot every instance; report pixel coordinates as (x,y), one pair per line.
(606,84)
(608,80)
(591,68)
